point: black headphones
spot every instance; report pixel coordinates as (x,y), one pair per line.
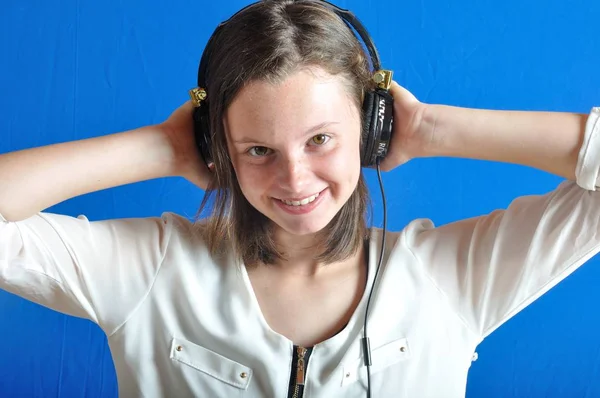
(377,104)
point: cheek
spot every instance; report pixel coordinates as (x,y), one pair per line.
(344,164)
(251,180)
(341,176)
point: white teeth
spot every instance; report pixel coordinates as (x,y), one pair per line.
(300,202)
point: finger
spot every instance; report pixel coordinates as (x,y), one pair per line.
(399,92)
(188,106)
(395,87)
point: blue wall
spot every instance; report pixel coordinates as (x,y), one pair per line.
(75,69)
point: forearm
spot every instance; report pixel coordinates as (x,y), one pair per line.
(34,179)
(548,141)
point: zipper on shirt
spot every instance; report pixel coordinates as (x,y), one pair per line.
(300,358)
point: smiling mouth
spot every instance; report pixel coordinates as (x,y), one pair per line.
(301,202)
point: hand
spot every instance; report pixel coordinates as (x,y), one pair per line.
(179,127)
(408,140)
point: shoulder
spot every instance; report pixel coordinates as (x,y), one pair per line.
(183,230)
(404,236)
(188,240)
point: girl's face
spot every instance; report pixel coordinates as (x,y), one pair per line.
(295,148)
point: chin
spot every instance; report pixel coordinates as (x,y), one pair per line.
(301,228)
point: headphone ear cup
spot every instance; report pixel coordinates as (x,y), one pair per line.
(369,123)
(202,134)
(378,114)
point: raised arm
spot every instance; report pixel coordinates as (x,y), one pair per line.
(490,267)
(32,180)
(98,270)
(549,141)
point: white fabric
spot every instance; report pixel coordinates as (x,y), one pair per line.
(587,174)
(182,324)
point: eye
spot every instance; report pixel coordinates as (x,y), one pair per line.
(258,151)
(320,139)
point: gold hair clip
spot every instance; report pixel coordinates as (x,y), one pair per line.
(383,79)
(197,95)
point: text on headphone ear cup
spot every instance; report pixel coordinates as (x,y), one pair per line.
(383,113)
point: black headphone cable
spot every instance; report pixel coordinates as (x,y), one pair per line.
(366,345)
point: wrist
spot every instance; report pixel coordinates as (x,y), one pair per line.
(164,149)
(451,131)
(425,123)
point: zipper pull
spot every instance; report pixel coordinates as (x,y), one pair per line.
(300,368)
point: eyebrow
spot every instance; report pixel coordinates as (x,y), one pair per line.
(313,129)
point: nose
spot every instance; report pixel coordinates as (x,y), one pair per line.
(293,174)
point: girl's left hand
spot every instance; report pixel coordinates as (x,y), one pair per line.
(179,129)
(407,141)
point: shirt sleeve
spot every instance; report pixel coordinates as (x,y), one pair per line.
(491,267)
(588,166)
(94,270)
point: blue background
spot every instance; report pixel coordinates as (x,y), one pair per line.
(75,69)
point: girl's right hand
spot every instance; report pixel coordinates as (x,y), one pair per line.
(179,127)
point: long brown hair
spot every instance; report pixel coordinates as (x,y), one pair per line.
(269,41)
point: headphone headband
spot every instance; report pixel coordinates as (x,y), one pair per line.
(382,78)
